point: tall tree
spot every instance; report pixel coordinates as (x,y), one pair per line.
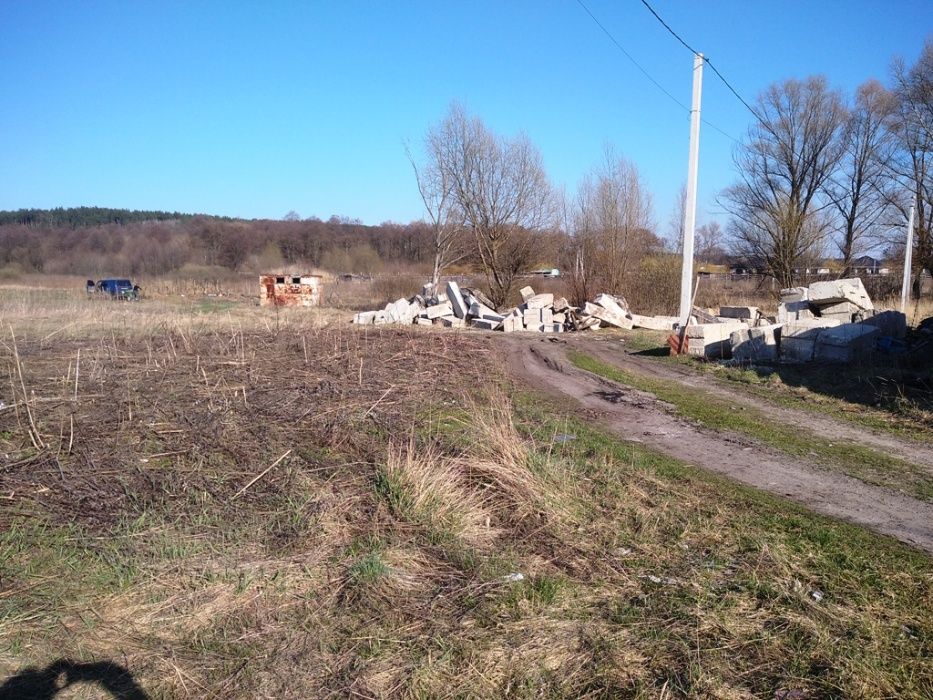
(501,190)
(783,165)
(857,188)
(445,216)
(612,225)
(911,164)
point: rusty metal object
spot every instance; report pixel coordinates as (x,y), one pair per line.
(290,290)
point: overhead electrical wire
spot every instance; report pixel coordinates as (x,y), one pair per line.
(705,59)
(631,58)
(646,73)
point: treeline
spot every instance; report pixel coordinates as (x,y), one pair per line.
(150,245)
(86,216)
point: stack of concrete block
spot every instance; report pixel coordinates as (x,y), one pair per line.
(831,321)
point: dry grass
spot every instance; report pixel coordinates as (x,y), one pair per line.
(159,526)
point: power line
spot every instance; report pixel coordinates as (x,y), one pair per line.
(631,58)
(645,72)
(668,28)
(705,59)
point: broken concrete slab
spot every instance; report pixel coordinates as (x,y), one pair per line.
(423,321)
(611,303)
(836,291)
(612,318)
(456,298)
(451,322)
(561,304)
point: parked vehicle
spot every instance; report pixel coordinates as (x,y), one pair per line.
(121,289)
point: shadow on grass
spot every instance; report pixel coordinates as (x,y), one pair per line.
(888,383)
(44,684)
(662,351)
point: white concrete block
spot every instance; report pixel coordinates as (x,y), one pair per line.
(712,340)
(610,303)
(365,318)
(422,321)
(452,322)
(654,323)
(527,293)
(438,310)
(456,299)
(539,301)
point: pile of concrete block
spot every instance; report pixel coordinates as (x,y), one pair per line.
(454,307)
(831,321)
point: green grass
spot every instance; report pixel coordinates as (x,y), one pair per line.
(750,582)
(855,460)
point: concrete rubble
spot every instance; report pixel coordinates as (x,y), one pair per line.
(829,321)
(455,307)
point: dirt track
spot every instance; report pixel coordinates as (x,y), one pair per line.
(640,417)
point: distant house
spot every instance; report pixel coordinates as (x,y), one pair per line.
(289,290)
(867,265)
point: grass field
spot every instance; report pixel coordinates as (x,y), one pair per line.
(234,503)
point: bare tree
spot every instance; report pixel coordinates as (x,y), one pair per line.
(435,186)
(501,191)
(612,225)
(710,240)
(784,164)
(676,223)
(857,189)
(910,167)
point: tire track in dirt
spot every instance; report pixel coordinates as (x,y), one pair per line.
(824,426)
(639,417)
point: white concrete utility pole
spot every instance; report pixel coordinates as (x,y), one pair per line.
(908,259)
(690,210)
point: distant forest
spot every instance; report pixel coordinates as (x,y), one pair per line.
(98,241)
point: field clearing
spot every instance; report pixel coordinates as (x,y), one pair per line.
(231,502)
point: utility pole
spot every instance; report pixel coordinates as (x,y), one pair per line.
(908,259)
(690,210)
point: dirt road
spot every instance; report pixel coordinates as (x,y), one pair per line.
(640,417)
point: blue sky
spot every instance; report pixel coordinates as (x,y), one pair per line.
(253,109)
